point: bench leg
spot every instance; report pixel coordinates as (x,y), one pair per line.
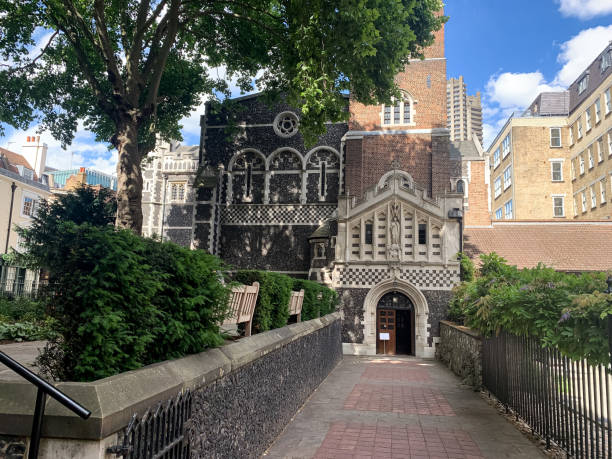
(299,317)
(247,328)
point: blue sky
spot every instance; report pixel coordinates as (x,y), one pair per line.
(508,50)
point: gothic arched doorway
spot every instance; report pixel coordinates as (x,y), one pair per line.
(395,324)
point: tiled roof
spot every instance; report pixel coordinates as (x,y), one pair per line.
(576,246)
(15,160)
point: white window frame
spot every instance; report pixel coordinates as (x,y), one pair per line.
(608,101)
(499,214)
(552,170)
(571,135)
(583,201)
(597,106)
(508,216)
(591,159)
(575,207)
(31,197)
(583,84)
(497,189)
(562,198)
(602,190)
(579,128)
(610,143)
(506,146)
(581,162)
(179,196)
(587,119)
(507,177)
(600,149)
(558,137)
(496,157)
(407,98)
(593,197)
(573,167)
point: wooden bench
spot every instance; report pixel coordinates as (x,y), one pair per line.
(242,306)
(295,304)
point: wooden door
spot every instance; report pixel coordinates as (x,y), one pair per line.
(385,323)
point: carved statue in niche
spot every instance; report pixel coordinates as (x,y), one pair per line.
(320,250)
(394,247)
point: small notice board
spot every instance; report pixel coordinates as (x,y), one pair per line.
(384,336)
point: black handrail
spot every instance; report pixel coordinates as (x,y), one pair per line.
(44,389)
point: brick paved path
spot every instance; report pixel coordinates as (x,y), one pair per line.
(398,407)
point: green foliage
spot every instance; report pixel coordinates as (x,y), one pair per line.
(17,309)
(272,309)
(27,330)
(466,268)
(191,302)
(562,310)
(318,299)
(131,70)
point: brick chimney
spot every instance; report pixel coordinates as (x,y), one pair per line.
(36,153)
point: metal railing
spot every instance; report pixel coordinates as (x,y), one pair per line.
(44,389)
(159,433)
(562,400)
(21,289)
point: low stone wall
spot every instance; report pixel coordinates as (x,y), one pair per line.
(460,348)
(244,394)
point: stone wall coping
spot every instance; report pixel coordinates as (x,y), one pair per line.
(462,328)
(115,399)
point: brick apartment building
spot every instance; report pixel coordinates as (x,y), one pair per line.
(374,209)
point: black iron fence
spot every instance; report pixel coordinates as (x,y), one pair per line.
(562,400)
(159,433)
(21,289)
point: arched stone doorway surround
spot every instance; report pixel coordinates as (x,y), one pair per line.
(421,314)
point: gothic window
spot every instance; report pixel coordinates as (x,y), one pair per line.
(285,184)
(422,233)
(247,178)
(248,181)
(323,168)
(460,187)
(286,124)
(323,177)
(369,230)
(400,113)
(177,191)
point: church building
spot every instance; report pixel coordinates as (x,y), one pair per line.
(373,210)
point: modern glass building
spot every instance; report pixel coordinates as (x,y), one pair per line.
(94,177)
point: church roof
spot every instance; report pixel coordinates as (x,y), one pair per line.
(322,231)
(565,246)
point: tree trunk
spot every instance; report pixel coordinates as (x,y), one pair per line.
(129,178)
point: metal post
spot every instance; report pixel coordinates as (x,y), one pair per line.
(39,412)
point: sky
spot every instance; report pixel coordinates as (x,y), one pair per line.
(510,51)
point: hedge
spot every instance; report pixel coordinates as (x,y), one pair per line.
(318,299)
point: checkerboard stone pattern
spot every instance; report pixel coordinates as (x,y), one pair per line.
(396,371)
(398,399)
(426,278)
(292,214)
(356,440)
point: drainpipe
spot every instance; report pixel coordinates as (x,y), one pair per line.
(10,219)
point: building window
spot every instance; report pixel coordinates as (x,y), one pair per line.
(28,206)
(590,153)
(575,207)
(579,128)
(557,171)
(610,143)
(608,101)
(584,201)
(496,158)
(507,177)
(508,210)
(558,206)
(555,137)
(602,191)
(581,160)
(583,84)
(422,233)
(587,118)
(399,113)
(573,167)
(606,60)
(460,187)
(600,149)
(369,228)
(597,111)
(498,214)
(593,197)
(177,191)
(497,187)
(506,145)
(323,179)
(571,135)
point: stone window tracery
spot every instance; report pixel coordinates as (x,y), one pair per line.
(246,178)
(286,124)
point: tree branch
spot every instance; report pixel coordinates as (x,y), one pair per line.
(42,51)
(107,48)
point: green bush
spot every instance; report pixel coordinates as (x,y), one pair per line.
(191,302)
(318,299)
(272,308)
(566,311)
(17,309)
(27,331)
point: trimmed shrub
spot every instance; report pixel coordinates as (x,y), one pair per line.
(190,303)
(272,309)
(318,299)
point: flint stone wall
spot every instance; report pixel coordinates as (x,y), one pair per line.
(460,348)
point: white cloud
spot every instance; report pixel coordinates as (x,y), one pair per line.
(579,51)
(585,9)
(510,90)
